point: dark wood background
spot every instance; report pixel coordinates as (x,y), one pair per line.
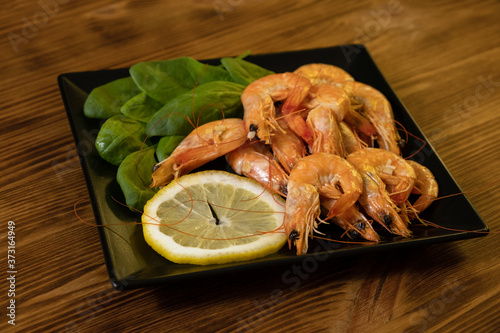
(441,58)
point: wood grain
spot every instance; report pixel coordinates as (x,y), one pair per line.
(441,58)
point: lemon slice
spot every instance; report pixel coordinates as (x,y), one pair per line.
(214,217)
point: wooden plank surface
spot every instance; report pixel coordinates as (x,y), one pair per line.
(441,58)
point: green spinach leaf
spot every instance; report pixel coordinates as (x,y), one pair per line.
(105,101)
(166,146)
(166,79)
(118,137)
(141,107)
(134,177)
(208,102)
(242,71)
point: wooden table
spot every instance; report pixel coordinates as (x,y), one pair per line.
(440,58)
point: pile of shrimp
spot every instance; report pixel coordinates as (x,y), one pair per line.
(327,143)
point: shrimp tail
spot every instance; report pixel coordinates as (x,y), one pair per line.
(299,92)
(291,110)
(298,125)
(357,121)
(344,201)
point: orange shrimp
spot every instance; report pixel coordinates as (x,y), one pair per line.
(258,103)
(352,221)
(202,145)
(361,125)
(323,73)
(350,139)
(255,160)
(287,147)
(326,96)
(425,185)
(379,167)
(378,111)
(328,105)
(315,175)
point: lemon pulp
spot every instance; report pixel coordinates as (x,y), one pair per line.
(214,217)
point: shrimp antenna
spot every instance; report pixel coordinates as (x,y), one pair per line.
(75,210)
(414,136)
(342,242)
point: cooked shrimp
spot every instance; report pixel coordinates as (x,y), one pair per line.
(350,138)
(202,145)
(329,97)
(326,133)
(352,221)
(258,102)
(328,105)
(360,124)
(425,185)
(255,160)
(323,73)
(287,147)
(315,175)
(379,167)
(378,111)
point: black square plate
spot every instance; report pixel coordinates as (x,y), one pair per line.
(132,263)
